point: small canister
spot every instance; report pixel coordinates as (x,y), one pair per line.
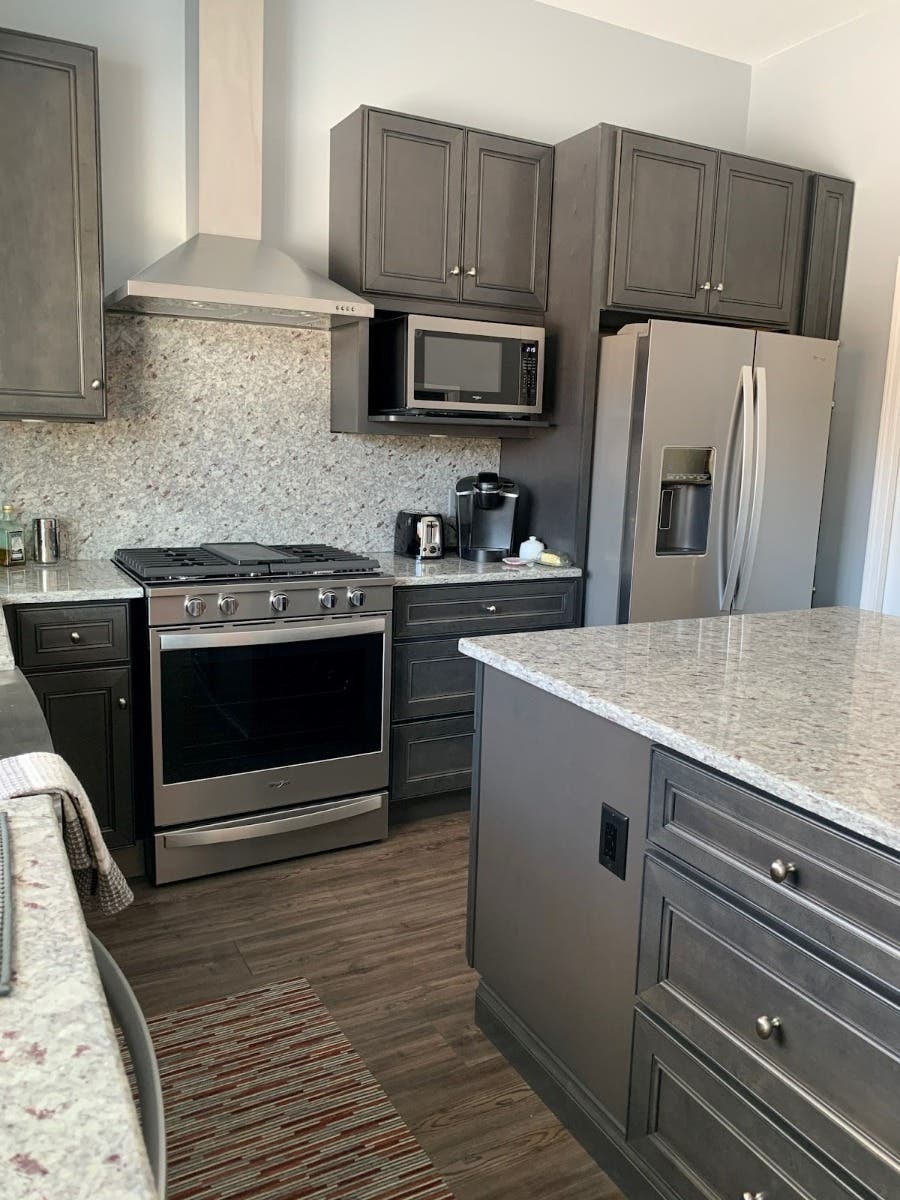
(46,539)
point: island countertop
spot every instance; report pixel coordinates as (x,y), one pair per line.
(803,705)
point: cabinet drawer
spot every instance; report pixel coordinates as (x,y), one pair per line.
(429,758)
(843,894)
(837,1044)
(63,635)
(432,679)
(471,608)
(704,1140)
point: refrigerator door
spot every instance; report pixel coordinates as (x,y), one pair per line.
(794,383)
(684,499)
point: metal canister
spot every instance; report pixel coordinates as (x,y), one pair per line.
(46,539)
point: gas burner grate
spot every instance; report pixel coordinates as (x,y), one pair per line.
(163,564)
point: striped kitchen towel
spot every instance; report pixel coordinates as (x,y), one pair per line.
(98,879)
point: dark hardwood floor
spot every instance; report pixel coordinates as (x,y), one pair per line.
(379,933)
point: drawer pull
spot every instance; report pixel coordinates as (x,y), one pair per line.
(780,870)
(490,608)
(766,1026)
(75,635)
(753,1196)
(123,703)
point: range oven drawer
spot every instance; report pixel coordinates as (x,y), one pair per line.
(269,836)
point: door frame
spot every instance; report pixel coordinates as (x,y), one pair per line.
(887,469)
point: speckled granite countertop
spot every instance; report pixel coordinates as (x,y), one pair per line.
(411,572)
(804,705)
(68,1126)
(66,582)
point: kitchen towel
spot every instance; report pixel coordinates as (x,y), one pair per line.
(99,881)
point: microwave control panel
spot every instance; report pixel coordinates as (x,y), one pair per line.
(529,373)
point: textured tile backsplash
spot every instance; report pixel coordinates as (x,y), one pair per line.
(219,430)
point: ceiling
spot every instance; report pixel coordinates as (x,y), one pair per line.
(747,30)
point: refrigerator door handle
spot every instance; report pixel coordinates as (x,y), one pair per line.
(761,406)
(728,579)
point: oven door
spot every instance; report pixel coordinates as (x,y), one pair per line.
(473,366)
(252,717)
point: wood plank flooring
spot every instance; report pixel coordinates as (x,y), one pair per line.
(379,933)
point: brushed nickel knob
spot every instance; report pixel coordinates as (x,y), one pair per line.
(704,287)
(75,635)
(753,1196)
(123,703)
(472,271)
(490,608)
(195,606)
(327,599)
(279,602)
(720,287)
(766,1026)
(780,870)
(228,605)
(454,270)
(96,385)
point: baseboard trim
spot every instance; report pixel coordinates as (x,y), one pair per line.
(555,1085)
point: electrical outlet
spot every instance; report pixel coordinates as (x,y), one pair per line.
(613,840)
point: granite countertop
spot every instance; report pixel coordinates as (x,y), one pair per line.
(66,582)
(803,705)
(412,572)
(69,1125)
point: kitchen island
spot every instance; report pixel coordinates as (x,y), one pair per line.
(685,896)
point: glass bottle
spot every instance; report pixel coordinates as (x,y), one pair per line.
(12,538)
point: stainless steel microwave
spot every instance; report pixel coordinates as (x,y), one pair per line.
(445,365)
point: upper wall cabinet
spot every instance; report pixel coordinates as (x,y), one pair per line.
(831,202)
(696,231)
(51,301)
(432,212)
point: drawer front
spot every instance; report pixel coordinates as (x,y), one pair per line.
(429,758)
(836,1043)
(841,893)
(473,608)
(432,679)
(69,635)
(704,1140)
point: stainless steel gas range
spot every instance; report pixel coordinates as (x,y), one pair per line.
(269,697)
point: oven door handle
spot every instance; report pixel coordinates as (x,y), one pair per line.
(317,631)
(271,826)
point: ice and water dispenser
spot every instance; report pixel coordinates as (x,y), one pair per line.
(685,494)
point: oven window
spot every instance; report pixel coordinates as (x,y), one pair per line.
(226,710)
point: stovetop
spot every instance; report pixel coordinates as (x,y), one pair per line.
(240,560)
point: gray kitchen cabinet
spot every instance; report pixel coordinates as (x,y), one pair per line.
(665,197)
(431,679)
(757,241)
(431,758)
(506,233)
(51,302)
(831,204)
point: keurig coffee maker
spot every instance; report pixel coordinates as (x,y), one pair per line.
(485,516)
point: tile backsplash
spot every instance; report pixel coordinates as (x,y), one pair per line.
(221,430)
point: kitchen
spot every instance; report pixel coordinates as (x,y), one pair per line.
(246,439)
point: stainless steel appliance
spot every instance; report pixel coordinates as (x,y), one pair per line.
(708,469)
(447,366)
(485,516)
(269,702)
(419,535)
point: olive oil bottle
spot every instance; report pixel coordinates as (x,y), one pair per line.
(12,539)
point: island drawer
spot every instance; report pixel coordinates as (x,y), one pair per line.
(429,758)
(432,679)
(831,887)
(824,1042)
(704,1140)
(62,635)
(466,609)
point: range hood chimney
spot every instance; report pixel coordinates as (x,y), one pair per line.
(226,271)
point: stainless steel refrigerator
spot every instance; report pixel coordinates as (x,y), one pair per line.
(709,460)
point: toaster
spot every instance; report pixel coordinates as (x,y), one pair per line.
(419,535)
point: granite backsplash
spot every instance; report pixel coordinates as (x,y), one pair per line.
(221,430)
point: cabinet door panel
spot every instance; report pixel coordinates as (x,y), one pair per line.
(432,679)
(413,206)
(51,302)
(506,238)
(91,729)
(665,193)
(756,243)
(429,758)
(826,257)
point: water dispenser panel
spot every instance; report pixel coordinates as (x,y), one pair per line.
(685,495)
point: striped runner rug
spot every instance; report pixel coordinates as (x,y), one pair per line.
(267,1100)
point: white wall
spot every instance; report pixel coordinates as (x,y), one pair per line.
(513,66)
(141,64)
(833,103)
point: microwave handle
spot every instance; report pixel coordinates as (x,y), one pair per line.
(313,632)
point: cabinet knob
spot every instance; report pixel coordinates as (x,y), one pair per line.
(123,703)
(704,287)
(753,1196)
(490,608)
(454,271)
(96,385)
(75,635)
(472,271)
(720,287)
(780,870)
(766,1026)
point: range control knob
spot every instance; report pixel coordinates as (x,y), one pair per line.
(279,602)
(195,606)
(228,605)
(328,599)
(356,597)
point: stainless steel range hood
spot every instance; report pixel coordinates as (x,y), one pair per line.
(226,271)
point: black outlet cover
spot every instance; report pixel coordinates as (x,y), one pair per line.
(613,840)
